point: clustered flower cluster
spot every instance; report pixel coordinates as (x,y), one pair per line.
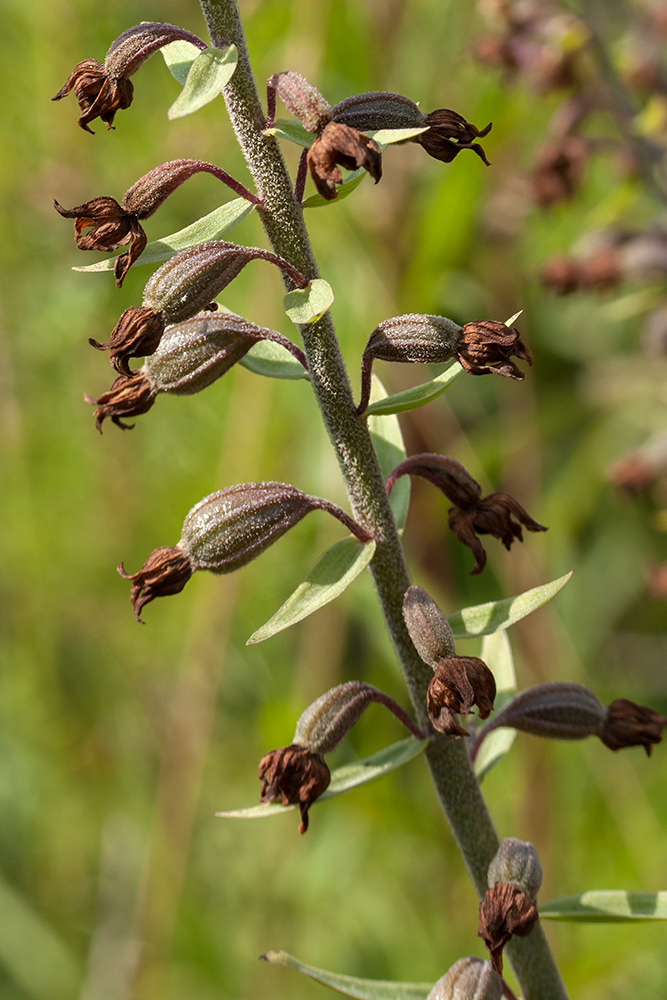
(187,344)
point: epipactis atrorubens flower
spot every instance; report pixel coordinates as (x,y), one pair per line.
(336,145)
(112,225)
(468,979)
(459,682)
(564,711)
(480,347)
(445,133)
(498,514)
(190,356)
(102,89)
(298,774)
(509,906)
(223,532)
(177,291)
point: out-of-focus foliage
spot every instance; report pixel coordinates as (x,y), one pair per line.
(119,742)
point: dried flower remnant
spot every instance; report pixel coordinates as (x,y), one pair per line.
(103,89)
(127,397)
(336,145)
(296,776)
(468,979)
(448,133)
(459,683)
(508,906)
(487,346)
(136,334)
(629,725)
(498,514)
(225,531)
(113,225)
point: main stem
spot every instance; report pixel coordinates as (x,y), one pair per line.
(282,217)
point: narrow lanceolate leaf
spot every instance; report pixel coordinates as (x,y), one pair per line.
(344,779)
(410,399)
(179,57)
(497,654)
(351,181)
(385,432)
(273,361)
(331,574)
(209,227)
(484,619)
(607,906)
(283,128)
(209,73)
(386,136)
(307,305)
(351,986)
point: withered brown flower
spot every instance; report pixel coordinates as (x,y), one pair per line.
(136,334)
(296,776)
(166,571)
(448,133)
(505,910)
(459,682)
(127,397)
(559,169)
(341,144)
(487,346)
(99,93)
(111,226)
(493,515)
(629,725)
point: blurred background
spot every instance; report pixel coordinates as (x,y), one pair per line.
(119,742)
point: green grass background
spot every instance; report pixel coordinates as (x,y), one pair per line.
(119,742)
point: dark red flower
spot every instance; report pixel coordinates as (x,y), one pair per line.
(296,776)
(341,144)
(629,725)
(136,334)
(100,95)
(127,397)
(111,226)
(459,682)
(448,133)
(499,515)
(166,571)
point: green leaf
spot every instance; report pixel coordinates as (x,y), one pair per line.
(386,136)
(344,779)
(210,227)
(284,128)
(410,399)
(351,986)
(179,57)
(351,181)
(483,619)
(497,654)
(209,73)
(307,305)
(332,573)
(273,361)
(607,906)
(387,440)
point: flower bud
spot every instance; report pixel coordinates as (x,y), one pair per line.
(411,339)
(378,110)
(190,280)
(301,99)
(329,719)
(516,862)
(427,626)
(102,90)
(468,979)
(223,532)
(298,774)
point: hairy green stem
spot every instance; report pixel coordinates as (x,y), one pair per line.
(282,217)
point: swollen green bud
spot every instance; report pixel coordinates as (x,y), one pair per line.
(301,99)
(516,863)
